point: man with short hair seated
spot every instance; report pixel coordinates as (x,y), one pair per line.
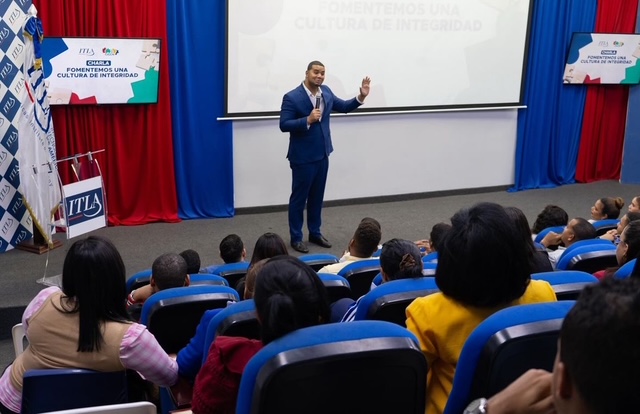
(363,245)
(169,270)
(577,229)
(231,251)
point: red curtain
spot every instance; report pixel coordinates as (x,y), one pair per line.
(137,165)
(605,112)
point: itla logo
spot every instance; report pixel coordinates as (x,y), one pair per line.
(6,70)
(86,51)
(4,33)
(603,43)
(110,51)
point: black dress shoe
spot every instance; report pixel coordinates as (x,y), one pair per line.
(300,247)
(320,241)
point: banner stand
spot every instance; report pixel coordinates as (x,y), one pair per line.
(83,209)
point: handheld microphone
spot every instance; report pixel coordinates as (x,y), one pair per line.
(318,102)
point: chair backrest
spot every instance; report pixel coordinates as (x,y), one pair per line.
(337,286)
(543,232)
(590,259)
(625,270)
(363,366)
(61,389)
(389,301)
(430,258)
(603,226)
(318,260)
(233,272)
(138,279)
(582,243)
(237,319)
(360,274)
(141,407)
(172,315)
(377,253)
(567,284)
(503,347)
(198,279)
(429,268)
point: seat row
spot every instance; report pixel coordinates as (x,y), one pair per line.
(346,361)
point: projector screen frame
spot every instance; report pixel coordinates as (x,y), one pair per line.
(365,110)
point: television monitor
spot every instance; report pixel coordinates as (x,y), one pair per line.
(603,58)
(92,71)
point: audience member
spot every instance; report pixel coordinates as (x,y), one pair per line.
(231,251)
(628,249)
(577,229)
(483,266)
(85,325)
(289,295)
(193,261)
(362,245)
(634,207)
(268,245)
(539,258)
(606,208)
(614,234)
(190,357)
(399,259)
(550,216)
(169,270)
(597,363)
(436,235)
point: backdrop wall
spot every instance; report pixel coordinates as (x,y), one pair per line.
(175,160)
(382,155)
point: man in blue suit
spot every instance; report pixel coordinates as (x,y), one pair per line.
(305,116)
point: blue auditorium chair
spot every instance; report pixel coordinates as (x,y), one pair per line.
(587,242)
(318,260)
(589,258)
(337,286)
(47,390)
(138,279)
(356,367)
(567,284)
(429,268)
(360,274)
(172,315)
(545,231)
(238,319)
(430,258)
(389,301)
(603,226)
(233,272)
(625,270)
(503,347)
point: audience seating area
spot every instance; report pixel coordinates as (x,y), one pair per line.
(312,368)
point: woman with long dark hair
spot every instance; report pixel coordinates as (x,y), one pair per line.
(85,325)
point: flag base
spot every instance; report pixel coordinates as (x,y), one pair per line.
(34,247)
(51,281)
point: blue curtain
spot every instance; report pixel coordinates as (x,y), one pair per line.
(549,129)
(203,146)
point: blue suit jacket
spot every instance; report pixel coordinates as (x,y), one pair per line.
(313,143)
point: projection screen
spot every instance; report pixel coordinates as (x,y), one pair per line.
(420,54)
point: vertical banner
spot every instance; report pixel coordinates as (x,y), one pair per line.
(39,183)
(15,220)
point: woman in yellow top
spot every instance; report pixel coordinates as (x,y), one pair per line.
(483,266)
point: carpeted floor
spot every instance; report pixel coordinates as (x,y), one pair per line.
(22,273)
